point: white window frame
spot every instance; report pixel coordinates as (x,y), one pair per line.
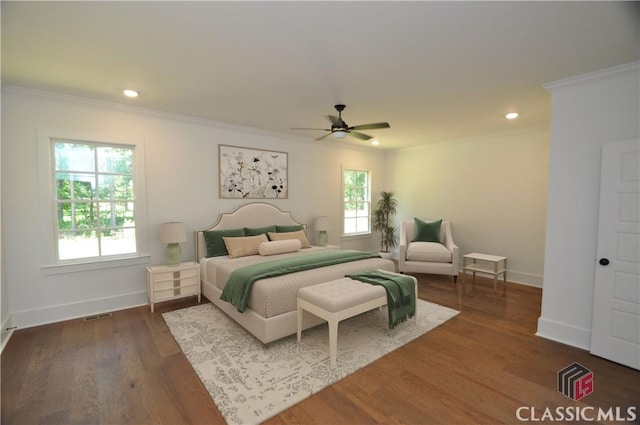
(48,205)
(343,204)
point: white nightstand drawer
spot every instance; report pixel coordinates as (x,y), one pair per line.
(171,282)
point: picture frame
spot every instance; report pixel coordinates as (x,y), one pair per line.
(247,173)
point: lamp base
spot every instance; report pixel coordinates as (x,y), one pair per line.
(173,254)
(323,238)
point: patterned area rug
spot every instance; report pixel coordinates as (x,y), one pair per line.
(250,382)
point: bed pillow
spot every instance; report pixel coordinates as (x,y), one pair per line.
(279,247)
(291,235)
(243,246)
(289,228)
(427,231)
(255,231)
(215,244)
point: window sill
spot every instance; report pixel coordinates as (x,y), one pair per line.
(356,236)
(94,265)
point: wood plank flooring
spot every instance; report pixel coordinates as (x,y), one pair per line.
(479,367)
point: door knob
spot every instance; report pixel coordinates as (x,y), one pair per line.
(604,261)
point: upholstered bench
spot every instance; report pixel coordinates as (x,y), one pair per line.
(338,300)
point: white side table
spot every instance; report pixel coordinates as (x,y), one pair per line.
(498,266)
(166,283)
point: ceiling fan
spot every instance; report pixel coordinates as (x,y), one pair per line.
(340,129)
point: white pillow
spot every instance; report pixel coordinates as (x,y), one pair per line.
(279,247)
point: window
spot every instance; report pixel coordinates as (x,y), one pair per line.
(357,201)
(95,200)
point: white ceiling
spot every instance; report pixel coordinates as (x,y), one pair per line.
(435,71)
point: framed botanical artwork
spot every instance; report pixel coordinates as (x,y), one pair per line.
(252,173)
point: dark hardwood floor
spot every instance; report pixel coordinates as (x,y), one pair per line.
(480,367)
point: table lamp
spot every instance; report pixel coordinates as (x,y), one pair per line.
(172,234)
(322,225)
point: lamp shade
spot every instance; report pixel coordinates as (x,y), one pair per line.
(172,232)
(322,223)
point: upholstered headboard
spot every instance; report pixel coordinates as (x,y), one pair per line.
(253,214)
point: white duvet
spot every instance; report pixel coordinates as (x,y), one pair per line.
(273,296)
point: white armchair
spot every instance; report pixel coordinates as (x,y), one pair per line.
(428,257)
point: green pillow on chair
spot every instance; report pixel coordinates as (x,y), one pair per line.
(427,231)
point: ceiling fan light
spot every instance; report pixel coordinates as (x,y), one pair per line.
(339,134)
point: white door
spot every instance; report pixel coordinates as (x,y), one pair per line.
(615,329)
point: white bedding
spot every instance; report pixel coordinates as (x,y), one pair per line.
(277,295)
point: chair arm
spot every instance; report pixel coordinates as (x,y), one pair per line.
(403,247)
(455,251)
(455,258)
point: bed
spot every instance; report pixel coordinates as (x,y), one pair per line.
(271,309)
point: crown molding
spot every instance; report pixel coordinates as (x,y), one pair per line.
(154,113)
(596,75)
(27,91)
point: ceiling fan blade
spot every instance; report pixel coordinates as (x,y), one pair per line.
(305,128)
(372,126)
(337,122)
(322,137)
(361,136)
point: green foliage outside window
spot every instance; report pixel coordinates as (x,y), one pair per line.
(356,201)
(94,190)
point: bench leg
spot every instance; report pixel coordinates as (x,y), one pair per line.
(333,341)
(299,323)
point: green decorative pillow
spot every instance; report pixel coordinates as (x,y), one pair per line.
(427,231)
(215,243)
(255,231)
(292,228)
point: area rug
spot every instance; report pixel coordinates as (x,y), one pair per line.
(250,382)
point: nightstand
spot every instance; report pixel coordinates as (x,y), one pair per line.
(166,283)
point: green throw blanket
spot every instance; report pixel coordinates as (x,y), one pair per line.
(401,295)
(236,290)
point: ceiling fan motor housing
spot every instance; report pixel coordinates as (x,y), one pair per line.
(340,125)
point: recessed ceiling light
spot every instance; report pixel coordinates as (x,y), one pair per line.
(375,142)
(511,115)
(130,93)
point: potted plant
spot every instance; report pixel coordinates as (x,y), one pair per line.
(382,222)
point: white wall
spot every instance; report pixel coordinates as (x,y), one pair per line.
(587,112)
(181,185)
(493,190)
(4,298)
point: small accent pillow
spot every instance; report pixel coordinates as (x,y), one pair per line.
(427,231)
(215,244)
(254,231)
(291,228)
(279,247)
(291,235)
(243,246)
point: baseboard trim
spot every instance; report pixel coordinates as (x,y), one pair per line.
(564,333)
(59,313)
(5,334)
